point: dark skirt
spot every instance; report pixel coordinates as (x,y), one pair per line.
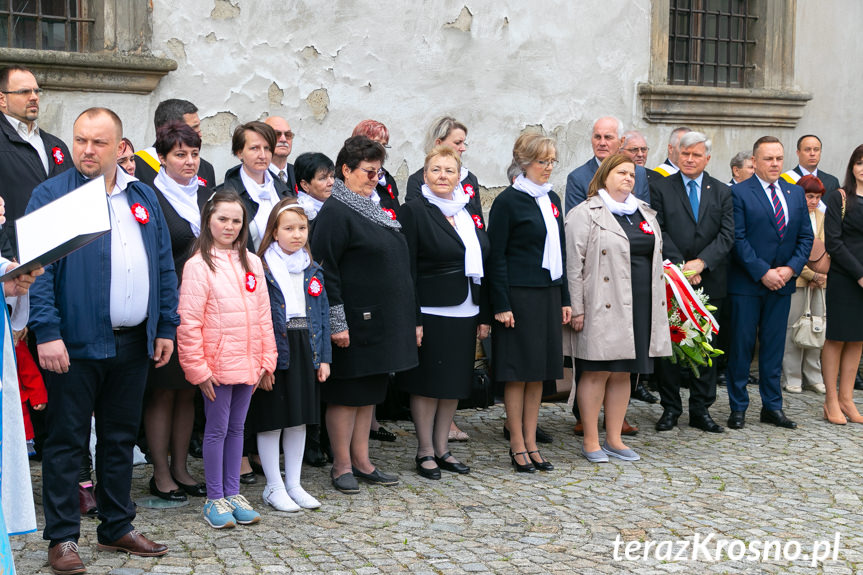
(844,301)
(446,359)
(295,398)
(532,350)
(356,391)
(169,376)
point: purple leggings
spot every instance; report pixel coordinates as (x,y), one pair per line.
(223,439)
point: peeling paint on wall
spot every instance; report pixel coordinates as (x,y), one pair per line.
(178,49)
(319,101)
(225,10)
(275,95)
(463,22)
(219,128)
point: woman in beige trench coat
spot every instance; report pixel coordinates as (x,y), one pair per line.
(619,311)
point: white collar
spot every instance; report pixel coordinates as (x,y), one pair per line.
(806,172)
(766,184)
(21,127)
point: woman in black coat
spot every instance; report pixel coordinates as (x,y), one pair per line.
(372,308)
(447,247)
(448,131)
(170,413)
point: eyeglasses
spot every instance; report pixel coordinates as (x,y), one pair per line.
(373,174)
(547,163)
(25,91)
(642,150)
(289,135)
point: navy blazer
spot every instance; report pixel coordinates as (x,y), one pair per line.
(579,179)
(757,244)
(71,300)
(829,180)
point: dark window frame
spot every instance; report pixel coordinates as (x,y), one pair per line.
(28,24)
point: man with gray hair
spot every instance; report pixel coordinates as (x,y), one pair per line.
(670,165)
(635,146)
(742,167)
(605,139)
(696,216)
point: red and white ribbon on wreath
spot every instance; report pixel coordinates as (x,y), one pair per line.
(683,293)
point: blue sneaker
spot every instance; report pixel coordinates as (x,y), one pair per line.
(243,512)
(219,514)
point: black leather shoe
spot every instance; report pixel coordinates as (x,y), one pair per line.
(427,472)
(248,478)
(454,466)
(736,420)
(376,477)
(175,495)
(527,467)
(721,379)
(705,423)
(382,434)
(667,421)
(196,448)
(543,436)
(543,464)
(195,490)
(641,394)
(777,418)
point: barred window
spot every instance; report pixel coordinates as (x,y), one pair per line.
(710,42)
(45,25)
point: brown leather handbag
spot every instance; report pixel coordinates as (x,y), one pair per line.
(819,260)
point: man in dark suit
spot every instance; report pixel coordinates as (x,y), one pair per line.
(808,158)
(634,145)
(669,167)
(696,215)
(772,240)
(28,154)
(147,161)
(280,167)
(605,140)
(741,167)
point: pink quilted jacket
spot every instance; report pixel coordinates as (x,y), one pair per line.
(226,330)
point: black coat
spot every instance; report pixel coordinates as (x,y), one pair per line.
(291,184)
(367,274)
(389,193)
(182,236)
(437,259)
(711,239)
(145,173)
(234,181)
(21,170)
(415,184)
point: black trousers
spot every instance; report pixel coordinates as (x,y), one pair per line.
(702,389)
(113,390)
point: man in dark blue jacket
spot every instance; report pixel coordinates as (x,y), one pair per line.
(772,240)
(99,315)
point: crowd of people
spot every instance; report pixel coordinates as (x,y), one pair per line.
(289,299)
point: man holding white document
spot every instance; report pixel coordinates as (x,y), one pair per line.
(99,315)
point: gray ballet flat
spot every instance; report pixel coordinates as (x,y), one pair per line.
(624,454)
(597,456)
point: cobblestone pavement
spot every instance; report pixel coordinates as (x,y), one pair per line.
(761,483)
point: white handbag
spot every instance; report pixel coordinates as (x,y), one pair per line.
(809,331)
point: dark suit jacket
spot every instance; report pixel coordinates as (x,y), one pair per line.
(757,244)
(415,183)
(21,170)
(710,239)
(579,179)
(147,174)
(829,180)
(389,194)
(437,259)
(292,178)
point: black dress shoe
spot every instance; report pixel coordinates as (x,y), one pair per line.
(667,421)
(248,478)
(736,420)
(454,466)
(543,464)
(721,379)
(314,455)
(752,380)
(641,394)
(777,418)
(427,472)
(858,382)
(175,495)
(525,468)
(382,434)
(196,448)
(543,436)
(705,423)
(195,490)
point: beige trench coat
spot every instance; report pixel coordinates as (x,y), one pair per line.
(598,271)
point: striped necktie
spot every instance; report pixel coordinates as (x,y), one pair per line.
(777,210)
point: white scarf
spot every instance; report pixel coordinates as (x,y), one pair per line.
(626,208)
(184,199)
(464,226)
(310,204)
(282,265)
(266,197)
(552,258)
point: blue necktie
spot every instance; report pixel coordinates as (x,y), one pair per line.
(693,198)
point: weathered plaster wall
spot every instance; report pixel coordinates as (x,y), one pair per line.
(498,66)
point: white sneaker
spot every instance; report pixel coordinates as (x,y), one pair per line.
(303,499)
(278,499)
(816,387)
(794,388)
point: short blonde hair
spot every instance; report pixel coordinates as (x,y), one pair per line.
(605,168)
(531,147)
(444,152)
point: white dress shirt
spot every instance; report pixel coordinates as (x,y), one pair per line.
(130,273)
(32,137)
(779,193)
(266,197)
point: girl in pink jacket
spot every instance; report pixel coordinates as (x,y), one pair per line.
(226,346)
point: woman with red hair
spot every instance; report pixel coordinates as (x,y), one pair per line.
(387,192)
